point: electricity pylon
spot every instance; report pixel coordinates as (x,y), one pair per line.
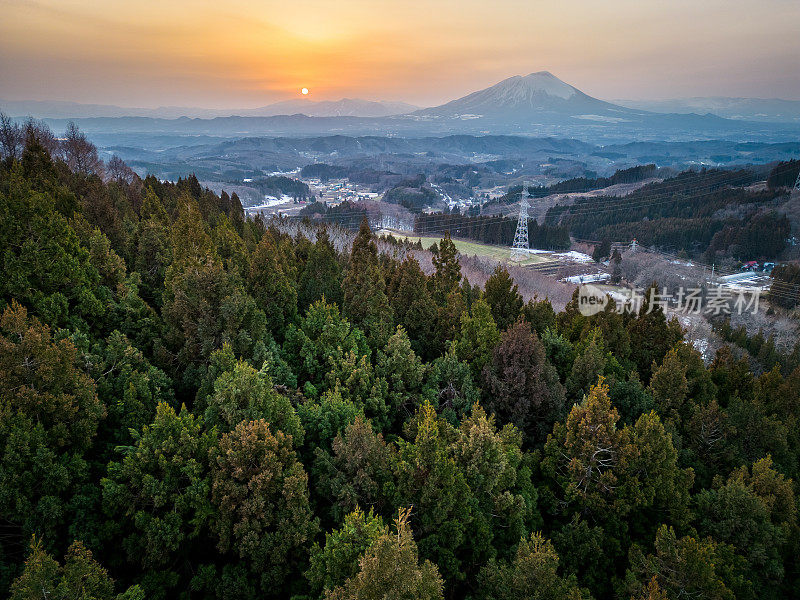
(518,249)
(796,187)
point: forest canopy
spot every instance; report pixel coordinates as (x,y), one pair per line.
(196,404)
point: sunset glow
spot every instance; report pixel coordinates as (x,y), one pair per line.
(247,53)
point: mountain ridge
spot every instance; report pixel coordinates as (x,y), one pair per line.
(524,96)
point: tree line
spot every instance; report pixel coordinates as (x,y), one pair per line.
(706,213)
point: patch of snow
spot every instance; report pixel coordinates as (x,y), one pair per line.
(587,278)
(575,256)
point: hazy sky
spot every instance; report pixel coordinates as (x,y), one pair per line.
(246,53)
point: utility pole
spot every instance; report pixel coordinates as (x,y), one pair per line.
(521,235)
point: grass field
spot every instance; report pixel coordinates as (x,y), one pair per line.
(498,253)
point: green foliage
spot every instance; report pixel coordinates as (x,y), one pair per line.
(157,496)
(449,387)
(80,578)
(533,574)
(49,415)
(244,394)
(339,559)
(357,471)
(365,302)
(321,276)
(414,307)
(272,282)
(681,567)
(520,386)
(191,393)
(403,371)
(44,265)
(390,569)
(503,298)
(323,420)
(431,481)
(321,343)
(260,492)
(479,336)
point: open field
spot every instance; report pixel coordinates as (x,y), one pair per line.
(467,248)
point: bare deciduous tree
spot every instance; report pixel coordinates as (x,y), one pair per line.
(79,153)
(117,170)
(11,139)
(36,130)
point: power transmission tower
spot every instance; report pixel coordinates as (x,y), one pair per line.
(518,249)
(796,187)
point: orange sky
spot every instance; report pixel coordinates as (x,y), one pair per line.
(245,53)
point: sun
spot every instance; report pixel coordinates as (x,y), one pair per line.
(304,91)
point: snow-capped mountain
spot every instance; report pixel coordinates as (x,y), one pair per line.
(529,96)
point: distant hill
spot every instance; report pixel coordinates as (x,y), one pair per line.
(346,107)
(539,104)
(748,109)
(533,96)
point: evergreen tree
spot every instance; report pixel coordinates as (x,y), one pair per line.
(533,574)
(478,339)
(157,497)
(447,276)
(653,337)
(338,561)
(50,415)
(260,492)
(357,471)
(390,569)
(321,276)
(272,283)
(430,480)
(365,302)
(503,298)
(520,386)
(414,307)
(681,567)
(539,314)
(81,577)
(404,374)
